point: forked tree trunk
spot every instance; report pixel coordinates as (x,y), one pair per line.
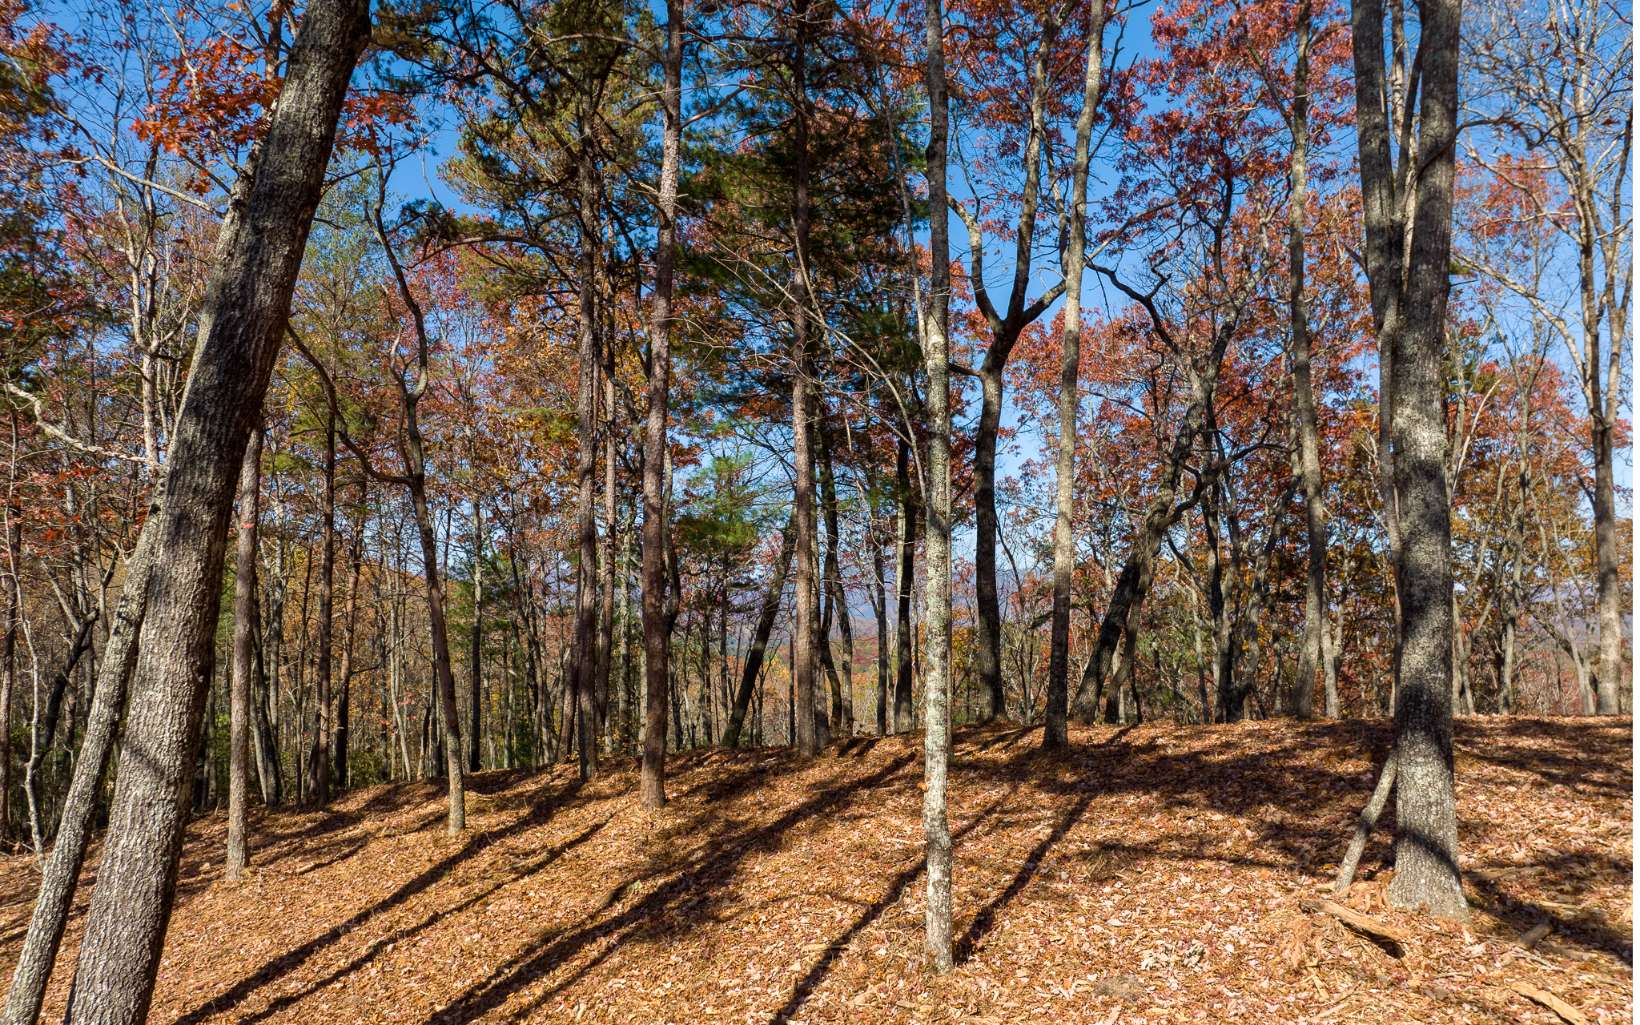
(1409,278)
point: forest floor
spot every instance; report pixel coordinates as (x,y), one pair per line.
(1154,874)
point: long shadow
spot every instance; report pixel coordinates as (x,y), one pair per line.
(369,954)
(695,880)
(1589,930)
(985,920)
(292,959)
(896,888)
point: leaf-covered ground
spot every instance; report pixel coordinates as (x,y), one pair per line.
(1153,875)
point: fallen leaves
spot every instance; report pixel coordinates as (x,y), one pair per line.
(1158,875)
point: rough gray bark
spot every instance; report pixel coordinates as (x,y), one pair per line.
(1054,734)
(62,869)
(244,656)
(767,612)
(937,516)
(657,625)
(1408,266)
(243,321)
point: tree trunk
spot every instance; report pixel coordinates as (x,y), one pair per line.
(760,637)
(656,624)
(841,669)
(62,869)
(585,658)
(243,322)
(475,654)
(1313,651)
(809,736)
(1054,733)
(987,603)
(318,765)
(244,659)
(937,651)
(1409,295)
(344,677)
(904,574)
(443,677)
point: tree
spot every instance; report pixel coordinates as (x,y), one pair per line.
(935,320)
(657,626)
(1407,207)
(1064,544)
(259,254)
(1555,80)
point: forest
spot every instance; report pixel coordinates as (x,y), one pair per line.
(818,442)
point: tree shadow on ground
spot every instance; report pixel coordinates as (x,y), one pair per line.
(292,959)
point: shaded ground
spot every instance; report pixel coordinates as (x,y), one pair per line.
(1153,875)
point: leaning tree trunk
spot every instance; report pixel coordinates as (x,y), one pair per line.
(245,312)
(62,869)
(760,638)
(244,657)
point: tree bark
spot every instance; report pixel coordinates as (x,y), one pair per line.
(1054,733)
(656,623)
(62,870)
(244,657)
(809,730)
(1409,295)
(585,658)
(244,317)
(475,654)
(1312,654)
(767,612)
(904,574)
(937,533)
(318,764)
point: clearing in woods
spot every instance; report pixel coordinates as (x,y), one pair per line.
(1156,874)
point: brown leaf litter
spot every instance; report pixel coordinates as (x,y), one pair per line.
(1155,874)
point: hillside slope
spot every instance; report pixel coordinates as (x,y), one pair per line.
(1154,875)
